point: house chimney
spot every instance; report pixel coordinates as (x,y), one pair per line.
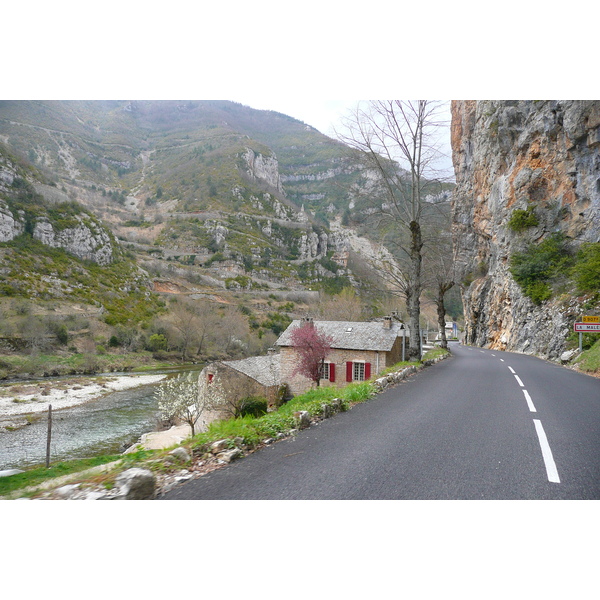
(308,321)
(387,322)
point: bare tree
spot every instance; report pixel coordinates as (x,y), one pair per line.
(440,268)
(398,145)
(345,306)
(440,277)
(232,331)
(187,322)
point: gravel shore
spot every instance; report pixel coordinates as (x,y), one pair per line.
(24,399)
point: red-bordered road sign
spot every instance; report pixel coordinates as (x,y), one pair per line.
(589,327)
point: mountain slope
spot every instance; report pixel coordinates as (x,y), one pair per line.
(53,249)
(205,179)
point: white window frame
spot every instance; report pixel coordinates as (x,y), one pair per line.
(358,370)
(325,371)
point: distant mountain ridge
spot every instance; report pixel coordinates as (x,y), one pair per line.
(109,143)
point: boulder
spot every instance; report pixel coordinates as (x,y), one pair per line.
(219,446)
(568,355)
(302,419)
(181,454)
(337,404)
(66,491)
(229,455)
(136,484)
(382,383)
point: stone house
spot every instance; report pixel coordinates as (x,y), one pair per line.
(359,351)
(254,376)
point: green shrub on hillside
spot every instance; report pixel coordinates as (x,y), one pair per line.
(586,271)
(535,268)
(523,219)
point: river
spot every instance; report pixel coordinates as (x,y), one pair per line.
(107,425)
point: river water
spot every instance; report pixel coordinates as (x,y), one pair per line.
(107,425)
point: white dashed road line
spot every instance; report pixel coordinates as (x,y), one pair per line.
(546,453)
(551,470)
(529,401)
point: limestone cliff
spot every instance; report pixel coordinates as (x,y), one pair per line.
(509,155)
(85,239)
(263,168)
(23,209)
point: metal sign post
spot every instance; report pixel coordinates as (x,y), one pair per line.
(589,325)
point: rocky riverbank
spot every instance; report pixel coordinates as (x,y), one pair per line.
(20,403)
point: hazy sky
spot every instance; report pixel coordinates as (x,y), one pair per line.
(320,114)
(324,115)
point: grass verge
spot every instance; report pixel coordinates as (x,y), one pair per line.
(40,474)
(252,430)
(589,360)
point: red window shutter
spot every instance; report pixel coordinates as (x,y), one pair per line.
(332,372)
(349,371)
(367,371)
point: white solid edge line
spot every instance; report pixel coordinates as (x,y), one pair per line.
(546,453)
(529,401)
(519,381)
(511,370)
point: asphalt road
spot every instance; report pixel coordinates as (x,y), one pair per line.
(480,425)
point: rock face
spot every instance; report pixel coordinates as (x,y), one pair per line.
(264,168)
(313,245)
(79,240)
(83,236)
(10,226)
(515,155)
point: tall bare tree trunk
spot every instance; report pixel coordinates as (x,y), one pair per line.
(441,314)
(413,297)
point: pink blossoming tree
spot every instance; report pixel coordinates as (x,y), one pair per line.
(312,347)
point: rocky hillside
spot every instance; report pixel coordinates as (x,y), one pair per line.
(53,248)
(526,207)
(243,198)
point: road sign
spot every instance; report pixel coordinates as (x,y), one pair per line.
(589,327)
(590,319)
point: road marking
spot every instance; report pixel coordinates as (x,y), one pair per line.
(519,381)
(546,453)
(511,370)
(529,401)
(502,360)
(493,355)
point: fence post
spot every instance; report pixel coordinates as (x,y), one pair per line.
(49,436)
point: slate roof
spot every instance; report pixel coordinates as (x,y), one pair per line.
(264,369)
(351,335)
